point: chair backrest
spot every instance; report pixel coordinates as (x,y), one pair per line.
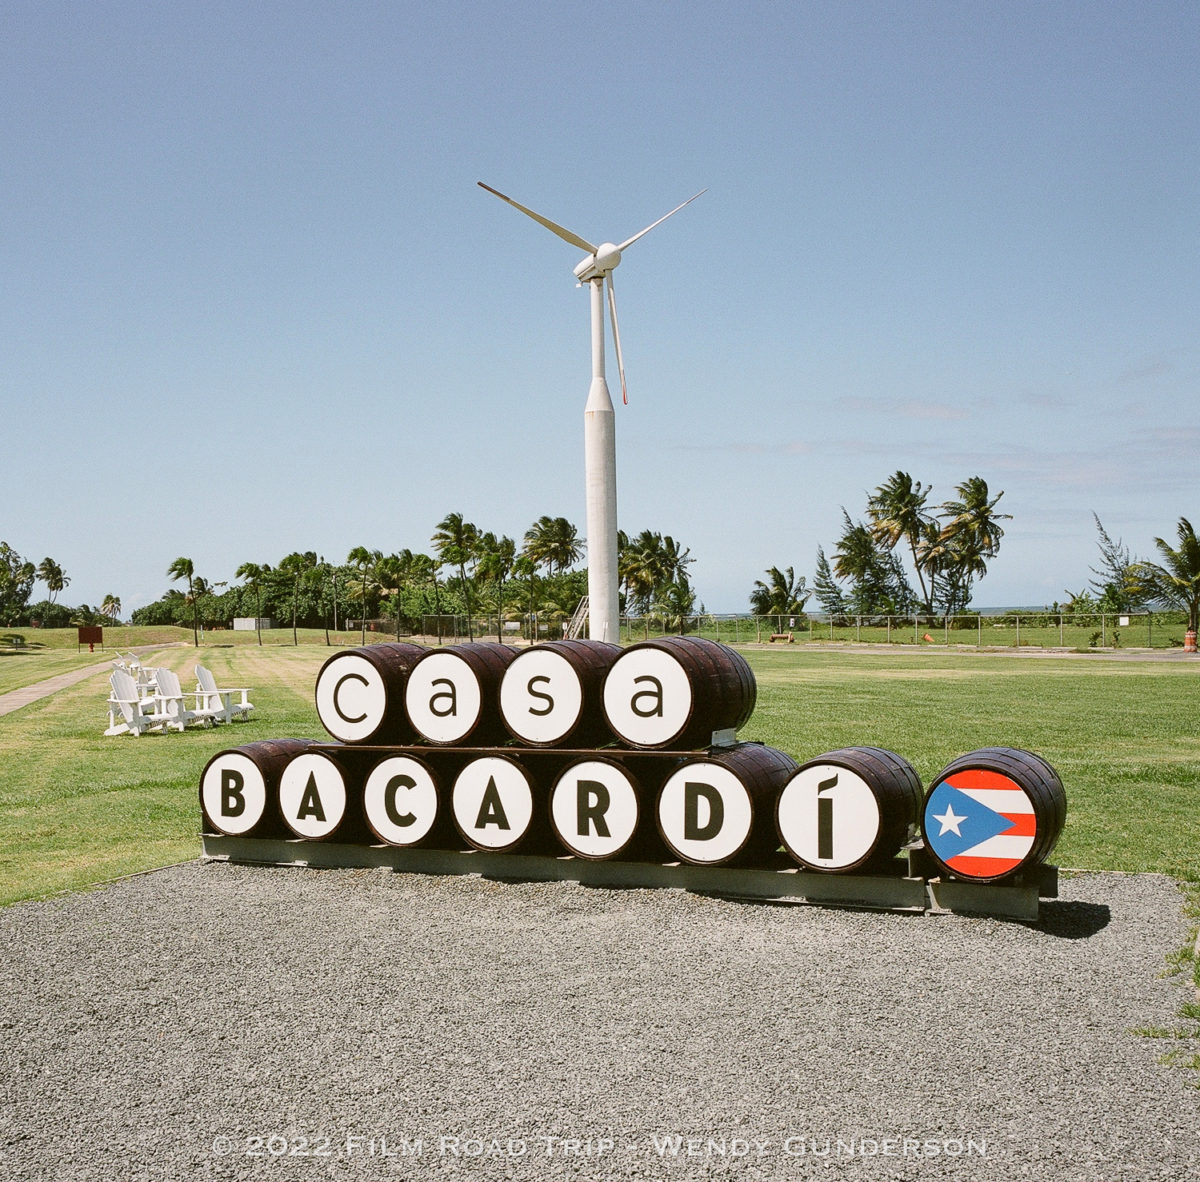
(205,680)
(168,684)
(124,691)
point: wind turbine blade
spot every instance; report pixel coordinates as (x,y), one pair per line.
(612,311)
(631,241)
(565,234)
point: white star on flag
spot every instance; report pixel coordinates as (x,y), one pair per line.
(950,822)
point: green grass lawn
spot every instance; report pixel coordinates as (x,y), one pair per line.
(76,808)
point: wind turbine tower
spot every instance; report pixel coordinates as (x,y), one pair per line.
(599,428)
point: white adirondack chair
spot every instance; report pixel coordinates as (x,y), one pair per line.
(213,697)
(170,698)
(129,712)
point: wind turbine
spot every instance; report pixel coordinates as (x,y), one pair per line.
(599,431)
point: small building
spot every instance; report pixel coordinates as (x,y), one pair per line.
(251,624)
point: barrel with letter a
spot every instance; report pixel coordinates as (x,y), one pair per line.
(239,788)
(497,804)
(360,693)
(677,692)
(551,694)
(319,797)
(993,813)
(452,694)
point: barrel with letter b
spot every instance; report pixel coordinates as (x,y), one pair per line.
(551,694)
(992,813)
(678,692)
(452,693)
(360,693)
(239,788)
(720,808)
(849,809)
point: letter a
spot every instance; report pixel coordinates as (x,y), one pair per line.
(310,802)
(656,694)
(491,811)
(451,695)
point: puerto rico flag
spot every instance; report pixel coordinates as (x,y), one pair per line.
(980,823)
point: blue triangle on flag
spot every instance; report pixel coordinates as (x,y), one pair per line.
(975,822)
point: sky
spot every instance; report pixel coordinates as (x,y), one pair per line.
(253,300)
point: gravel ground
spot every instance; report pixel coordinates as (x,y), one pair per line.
(216,1021)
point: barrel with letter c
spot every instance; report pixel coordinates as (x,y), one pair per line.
(992,813)
(239,788)
(551,695)
(402,801)
(452,693)
(719,809)
(849,809)
(677,691)
(360,693)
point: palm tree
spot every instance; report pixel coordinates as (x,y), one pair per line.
(496,558)
(456,541)
(111,607)
(972,535)
(253,574)
(364,559)
(392,574)
(299,568)
(782,595)
(524,567)
(52,575)
(897,513)
(183,568)
(1177,579)
(553,542)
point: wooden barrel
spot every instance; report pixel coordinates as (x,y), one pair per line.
(992,813)
(239,788)
(720,808)
(550,696)
(498,806)
(849,809)
(315,798)
(401,801)
(360,693)
(452,695)
(596,810)
(678,691)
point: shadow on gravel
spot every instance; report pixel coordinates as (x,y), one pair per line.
(1072,921)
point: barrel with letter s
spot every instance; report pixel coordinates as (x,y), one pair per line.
(678,691)
(452,694)
(993,813)
(849,809)
(239,788)
(719,809)
(551,695)
(360,693)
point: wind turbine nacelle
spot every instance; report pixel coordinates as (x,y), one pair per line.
(597,265)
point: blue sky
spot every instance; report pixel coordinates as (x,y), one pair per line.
(254,301)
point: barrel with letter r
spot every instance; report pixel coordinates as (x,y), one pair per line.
(239,788)
(452,694)
(551,695)
(850,809)
(992,813)
(596,808)
(719,809)
(678,692)
(360,693)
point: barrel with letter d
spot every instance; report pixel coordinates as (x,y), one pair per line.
(849,809)
(720,808)
(678,691)
(360,693)
(551,695)
(452,693)
(239,788)
(992,813)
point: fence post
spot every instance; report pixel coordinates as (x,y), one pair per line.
(889,622)
(1060,631)
(915,627)
(1018,634)
(1104,629)
(857,629)
(979,623)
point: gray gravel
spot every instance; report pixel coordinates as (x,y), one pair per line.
(215,1021)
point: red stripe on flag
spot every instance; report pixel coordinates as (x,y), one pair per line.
(970,867)
(1023,825)
(978,777)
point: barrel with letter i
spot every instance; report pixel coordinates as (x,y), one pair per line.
(239,788)
(551,695)
(720,808)
(452,693)
(678,691)
(360,693)
(849,809)
(992,813)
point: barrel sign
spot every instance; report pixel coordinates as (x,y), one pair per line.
(594,808)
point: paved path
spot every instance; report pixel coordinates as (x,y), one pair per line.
(15,699)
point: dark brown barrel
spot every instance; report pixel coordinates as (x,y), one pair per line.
(405,801)
(848,810)
(499,804)
(597,810)
(320,795)
(676,692)
(551,694)
(239,788)
(719,809)
(360,693)
(992,813)
(452,695)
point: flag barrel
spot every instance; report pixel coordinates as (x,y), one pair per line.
(452,693)
(239,788)
(678,691)
(992,813)
(551,695)
(849,809)
(719,809)
(360,693)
